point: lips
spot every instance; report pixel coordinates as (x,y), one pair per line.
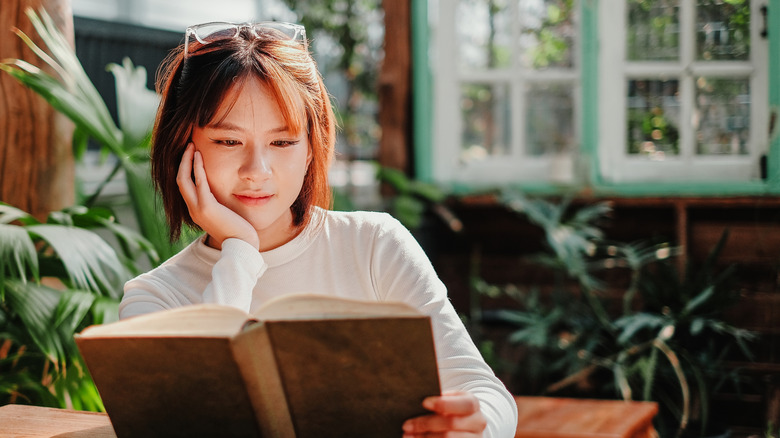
(253,198)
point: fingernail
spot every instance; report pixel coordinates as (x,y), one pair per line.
(428,403)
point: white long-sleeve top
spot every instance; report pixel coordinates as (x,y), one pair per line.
(357,255)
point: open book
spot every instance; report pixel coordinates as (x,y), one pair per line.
(303,365)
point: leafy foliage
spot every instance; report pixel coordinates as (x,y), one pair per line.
(667,342)
(72,93)
(59,276)
(56,278)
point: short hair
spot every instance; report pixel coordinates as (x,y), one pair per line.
(193,87)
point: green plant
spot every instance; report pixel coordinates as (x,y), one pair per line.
(410,199)
(665,338)
(56,278)
(59,276)
(72,93)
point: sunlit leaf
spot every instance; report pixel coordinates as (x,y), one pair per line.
(9,214)
(91,263)
(105,310)
(35,306)
(18,255)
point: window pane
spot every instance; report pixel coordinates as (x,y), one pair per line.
(653,118)
(722,116)
(723,30)
(486,120)
(484,33)
(547,33)
(550,119)
(653,31)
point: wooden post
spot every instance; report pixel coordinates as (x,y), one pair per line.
(36,157)
(395,85)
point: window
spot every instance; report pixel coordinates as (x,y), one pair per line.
(506,90)
(616,91)
(684,91)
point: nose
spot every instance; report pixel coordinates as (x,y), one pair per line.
(256,165)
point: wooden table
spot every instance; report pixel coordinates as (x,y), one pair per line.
(19,421)
(539,417)
(550,417)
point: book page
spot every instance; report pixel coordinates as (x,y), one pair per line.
(312,306)
(204,320)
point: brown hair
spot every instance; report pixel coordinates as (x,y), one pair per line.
(192,90)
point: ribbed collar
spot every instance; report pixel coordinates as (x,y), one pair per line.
(277,256)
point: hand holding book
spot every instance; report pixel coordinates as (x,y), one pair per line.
(454,411)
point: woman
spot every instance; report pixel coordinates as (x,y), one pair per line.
(241,148)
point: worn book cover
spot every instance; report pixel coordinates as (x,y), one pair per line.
(302,366)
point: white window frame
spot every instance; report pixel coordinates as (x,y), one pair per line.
(448,77)
(616,165)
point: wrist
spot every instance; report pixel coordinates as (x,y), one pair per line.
(218,243)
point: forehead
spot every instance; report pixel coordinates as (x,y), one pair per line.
(258,100)
(244,99)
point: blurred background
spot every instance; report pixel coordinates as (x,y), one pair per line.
(596,182)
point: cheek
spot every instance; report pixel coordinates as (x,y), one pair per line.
(217,172)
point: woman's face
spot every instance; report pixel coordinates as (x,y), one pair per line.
(254,164)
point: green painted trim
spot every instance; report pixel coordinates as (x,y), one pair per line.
(590,90)
(700,189)
(746,188)
(422,94)
(773,159)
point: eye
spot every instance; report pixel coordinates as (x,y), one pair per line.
(226,142)
(284,143)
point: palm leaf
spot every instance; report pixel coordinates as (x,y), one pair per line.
(104,310)
(75,107)
(71,310)
(129,240)
(76,389)
(34,305)
(17,255)
(50,317)
(90,262)
(19,385)
(63,54)
(149,211)
(9,213)
(76,97)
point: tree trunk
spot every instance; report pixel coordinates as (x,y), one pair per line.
(36,157)
(395,85)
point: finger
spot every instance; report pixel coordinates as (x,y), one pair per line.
(201,181)
(184,176)
(452,404)
(474,423)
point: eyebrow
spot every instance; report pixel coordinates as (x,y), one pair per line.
(233,127)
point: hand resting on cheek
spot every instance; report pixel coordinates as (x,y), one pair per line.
(217,220)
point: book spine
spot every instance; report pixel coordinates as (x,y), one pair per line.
(253,352)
